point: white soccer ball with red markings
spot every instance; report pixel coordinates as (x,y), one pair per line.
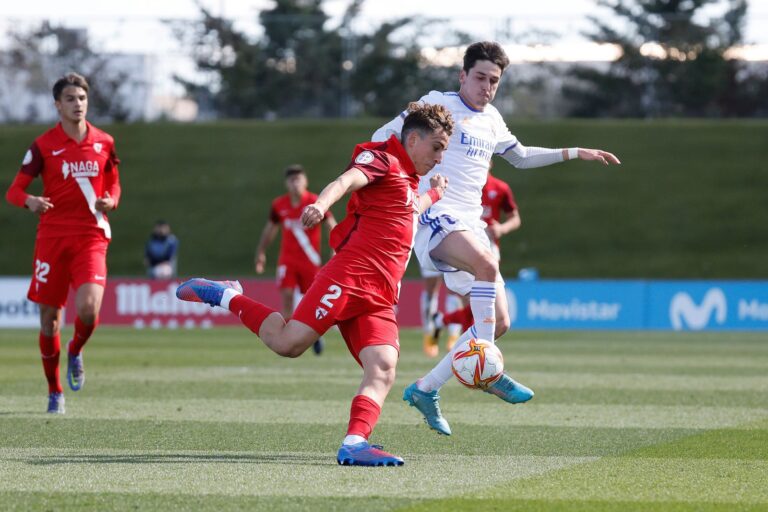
(478,363)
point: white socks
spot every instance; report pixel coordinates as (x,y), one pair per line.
(482,300)
(353,439)
(229,294)
(440,374)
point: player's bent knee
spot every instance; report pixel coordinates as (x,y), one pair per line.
(289,350)
(486,268)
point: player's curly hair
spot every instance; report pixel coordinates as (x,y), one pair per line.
(485,50)
(426,118)
(66,81)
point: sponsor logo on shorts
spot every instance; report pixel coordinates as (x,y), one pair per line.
(97,276)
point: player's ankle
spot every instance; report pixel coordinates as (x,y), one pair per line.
(227,296)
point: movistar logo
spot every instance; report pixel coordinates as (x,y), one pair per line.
(81,169)
(683,312)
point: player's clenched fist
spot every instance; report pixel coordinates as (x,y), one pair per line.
(439,183)
(312,214)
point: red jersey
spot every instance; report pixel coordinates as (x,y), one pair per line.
(74,175)
(497,198)
(299,245)
(373,242)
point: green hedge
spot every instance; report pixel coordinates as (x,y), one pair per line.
(690,200)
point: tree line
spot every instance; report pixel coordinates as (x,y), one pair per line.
(675,61)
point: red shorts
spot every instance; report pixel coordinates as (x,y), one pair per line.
(292,275)
(62,262)
(362,323)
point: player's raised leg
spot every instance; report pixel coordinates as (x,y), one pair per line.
(378,363)
(287,340)
(505,388)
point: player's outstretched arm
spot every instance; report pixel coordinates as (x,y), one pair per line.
(439,183)
(351,180)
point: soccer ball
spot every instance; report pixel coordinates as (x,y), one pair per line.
(477,363)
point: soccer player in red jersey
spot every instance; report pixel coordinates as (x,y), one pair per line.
(497,198)
(299,259)
(358,288)
(78,166)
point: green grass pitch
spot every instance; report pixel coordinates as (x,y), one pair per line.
(211,420)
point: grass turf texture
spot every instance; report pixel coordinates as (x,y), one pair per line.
(687,201)
(210,420)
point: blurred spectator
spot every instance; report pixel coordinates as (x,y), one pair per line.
(160,252)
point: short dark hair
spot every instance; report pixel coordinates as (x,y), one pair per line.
(426,118)
(293,170)
(66,81)
(485,50)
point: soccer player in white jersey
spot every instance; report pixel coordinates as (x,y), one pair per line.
(451,236)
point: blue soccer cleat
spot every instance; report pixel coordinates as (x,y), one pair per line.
(205,290)
(55,403)
(75,370)
(428,404)
(364,454)
(318,346)
(510,390)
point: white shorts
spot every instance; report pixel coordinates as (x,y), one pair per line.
(426,273)
(432,230)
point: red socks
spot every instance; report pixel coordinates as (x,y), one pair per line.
(461,316)
(50,347)
(251,313)
(82,333)
(363,416)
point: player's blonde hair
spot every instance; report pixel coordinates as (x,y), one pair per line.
(425,117)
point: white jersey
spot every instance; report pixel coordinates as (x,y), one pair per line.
(477,136)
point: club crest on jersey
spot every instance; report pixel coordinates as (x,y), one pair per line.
(97,147)
(364,158)
(320,313)
(87,169)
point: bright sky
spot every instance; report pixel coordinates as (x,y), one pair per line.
(116,23)
(134,25)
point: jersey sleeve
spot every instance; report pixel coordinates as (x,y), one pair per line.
(112,177)
(32,164)
(112,161)
(31,167)
(504,138)
(508,203)
(274,217)
(374,164)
